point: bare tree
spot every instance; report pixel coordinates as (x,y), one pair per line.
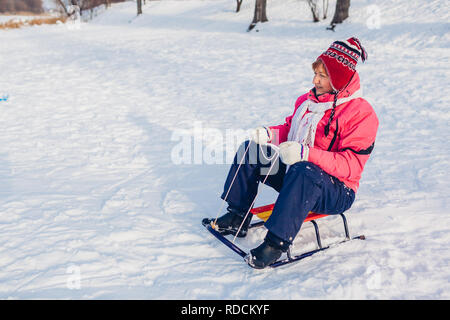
(314,10)
(325,8)
(139,4)
(83,5)
(260,13)
(340,14)
(238,5)
(63,7)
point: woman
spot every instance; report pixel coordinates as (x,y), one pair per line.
(323,147)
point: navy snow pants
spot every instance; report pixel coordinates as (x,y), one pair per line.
(303,188)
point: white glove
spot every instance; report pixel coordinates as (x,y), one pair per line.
(261,135)
(292,152)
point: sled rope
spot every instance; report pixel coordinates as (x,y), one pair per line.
(264,181)
(231,184)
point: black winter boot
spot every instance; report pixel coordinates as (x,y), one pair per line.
(230,222)
(268,252)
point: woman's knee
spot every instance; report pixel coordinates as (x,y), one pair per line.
(306,169)
(248,150)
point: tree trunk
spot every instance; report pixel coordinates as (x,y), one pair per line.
(238,5)
(315,12)
(325,9)
(341,13)
(63,6)
(260,13)
(139,7)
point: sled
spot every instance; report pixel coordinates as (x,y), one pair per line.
(264,213)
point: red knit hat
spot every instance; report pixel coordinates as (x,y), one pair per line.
(340,61)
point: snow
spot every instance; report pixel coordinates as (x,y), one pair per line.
(93,204)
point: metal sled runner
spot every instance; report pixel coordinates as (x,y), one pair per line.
(264,213)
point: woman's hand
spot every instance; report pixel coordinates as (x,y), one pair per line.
(292,152)
(261,135)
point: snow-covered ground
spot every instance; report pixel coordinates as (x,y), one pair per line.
(94,204)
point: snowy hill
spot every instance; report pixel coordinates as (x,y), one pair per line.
(93,203)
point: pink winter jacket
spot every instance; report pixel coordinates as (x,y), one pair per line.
(346,149)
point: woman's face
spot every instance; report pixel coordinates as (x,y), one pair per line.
(321,80)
